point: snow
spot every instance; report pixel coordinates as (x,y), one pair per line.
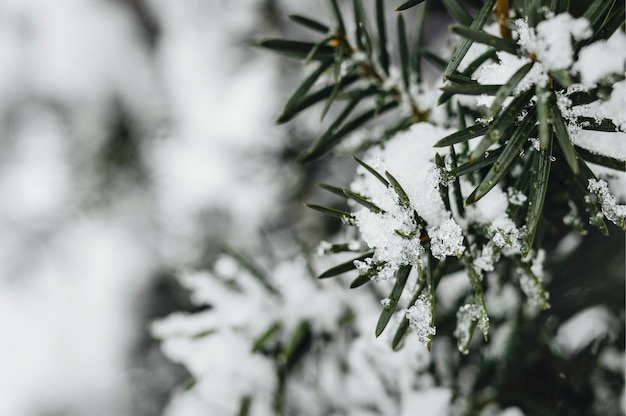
(408,156)
(394,233)
(533,289)
(600,59)
(468,315)
(551,40)
(420,318)
(451,289)
(75,306)
(446,240)
(583,328)
(614,212)
(516,197)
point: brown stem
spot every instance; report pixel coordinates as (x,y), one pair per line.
(501,9)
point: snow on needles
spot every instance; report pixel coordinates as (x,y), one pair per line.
(394,233)
(551,40)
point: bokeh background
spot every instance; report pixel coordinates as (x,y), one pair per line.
(135,136)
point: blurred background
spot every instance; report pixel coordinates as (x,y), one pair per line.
(135,136)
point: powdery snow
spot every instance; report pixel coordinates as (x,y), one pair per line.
(551,40)
(601,58)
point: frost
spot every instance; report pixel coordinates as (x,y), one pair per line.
(611,210)
(467,318)
(385,302)
(484,121)
(551,40)
(420,318)
(446,240)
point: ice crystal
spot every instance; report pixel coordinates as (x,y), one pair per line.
(446,240)
(420,318)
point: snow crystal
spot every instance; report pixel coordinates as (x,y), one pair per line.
(601,58)
(446,240)
(465,317)
(611,210)
(551,40)
(420,318)
(516,197)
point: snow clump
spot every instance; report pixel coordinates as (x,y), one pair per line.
(395,233)
(420,318)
